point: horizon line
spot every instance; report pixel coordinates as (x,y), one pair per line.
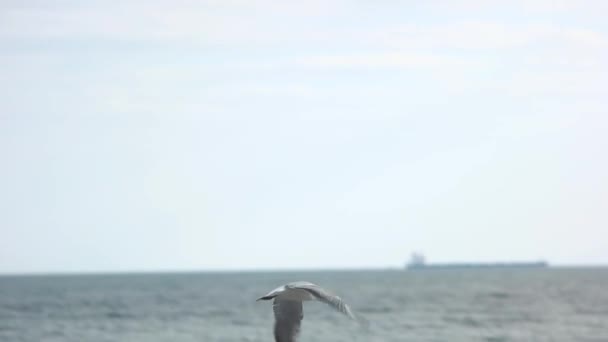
(243,270)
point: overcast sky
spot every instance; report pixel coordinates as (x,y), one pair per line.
(206,135)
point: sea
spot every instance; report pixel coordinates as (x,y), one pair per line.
(492,305)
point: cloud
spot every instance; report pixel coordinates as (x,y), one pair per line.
(313,25)
(305,41)
(187,21)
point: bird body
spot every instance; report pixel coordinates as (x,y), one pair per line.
(287,307)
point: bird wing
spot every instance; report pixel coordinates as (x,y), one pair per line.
(288,315)
(323,296)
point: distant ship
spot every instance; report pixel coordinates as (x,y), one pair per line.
(418,261)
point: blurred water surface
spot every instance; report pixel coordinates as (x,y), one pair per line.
(424,305)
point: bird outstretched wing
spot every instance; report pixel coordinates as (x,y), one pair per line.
(288,316)
(326,297)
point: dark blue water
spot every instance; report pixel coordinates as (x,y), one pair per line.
(428,305)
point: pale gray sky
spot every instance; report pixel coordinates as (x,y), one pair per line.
(187,135)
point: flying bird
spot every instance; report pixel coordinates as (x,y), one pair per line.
(287,307)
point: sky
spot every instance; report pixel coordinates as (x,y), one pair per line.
(239,135)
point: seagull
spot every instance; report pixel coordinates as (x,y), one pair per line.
(287,307)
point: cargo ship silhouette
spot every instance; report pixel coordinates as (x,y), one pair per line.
(418,261)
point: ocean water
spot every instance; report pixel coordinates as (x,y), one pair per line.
(427,305)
